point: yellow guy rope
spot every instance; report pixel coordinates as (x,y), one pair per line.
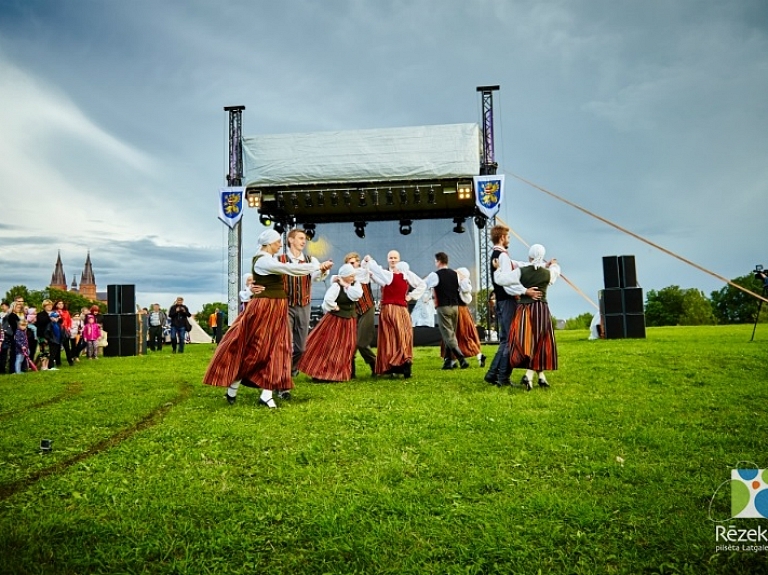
(574,286)
(642,239)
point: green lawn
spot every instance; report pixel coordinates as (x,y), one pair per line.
(612,470)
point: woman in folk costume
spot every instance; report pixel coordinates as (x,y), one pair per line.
(531,337)
(395,339)
(466,332)
(257,347)
(331,344)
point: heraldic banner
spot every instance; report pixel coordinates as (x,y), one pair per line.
(489,191)
(231,205)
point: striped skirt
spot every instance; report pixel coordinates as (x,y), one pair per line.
(256,348)
(532,339)
(395,340)
(330,349)
(466,333)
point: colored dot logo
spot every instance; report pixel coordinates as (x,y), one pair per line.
(749,493)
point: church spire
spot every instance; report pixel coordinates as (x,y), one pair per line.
(58,279)
(87,276)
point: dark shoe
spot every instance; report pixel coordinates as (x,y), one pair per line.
(463,363)
(491,378)
(503,382)
(270,404)
(447,364)
(526,383)
(284,394)
(407,370)
(543,383)
(230,399)
(482,361)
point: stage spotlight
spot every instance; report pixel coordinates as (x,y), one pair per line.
(309,231)
(360,229)
(459,227)
(361,198)
(480,221)
(405,227)
(375,197)
(254,199)
(265,220)
(294,200)
(464,190)
(390,197)
(403,197)
(416,196)
(431,195)
(334,199)
(280,228)
(308,200)
(280,201)
(347,198)
(320,199)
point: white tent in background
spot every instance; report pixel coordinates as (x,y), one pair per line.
(197,334)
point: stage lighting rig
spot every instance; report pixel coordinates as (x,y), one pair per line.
(254,199)
(417,196)
(265,220)
(308,200)
(309,231)
(334,199)
(362,199)
(459,225)
(406,227)
(360,229)
(390,197)
(431,196)
(295,201)
(464,191)
(480,221)
(403,197)
(347,198)
(320,199)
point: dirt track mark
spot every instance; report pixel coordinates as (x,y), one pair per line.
(150,420)
(74,388)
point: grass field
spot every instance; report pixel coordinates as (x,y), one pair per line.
(615,469)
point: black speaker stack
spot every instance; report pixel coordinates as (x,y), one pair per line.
(120,321)
(621,302)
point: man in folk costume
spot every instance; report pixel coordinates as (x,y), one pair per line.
(531,338)
(366,313)
(445,283)
(257,347)
(331,345)
(299,290)
(395,340)
(499,372)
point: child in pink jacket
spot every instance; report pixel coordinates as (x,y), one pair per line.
(91,333)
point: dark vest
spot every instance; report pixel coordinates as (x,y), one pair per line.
(538,278)
(275,288)
(346,305)
(447,291)
(498,290)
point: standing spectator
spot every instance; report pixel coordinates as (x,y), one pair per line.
(43,322)
(299,290)
(331,345)
(257,347)
(531,337)
(215,321)
(395,341)
(54,335)
(65,321)
(10,325)
(91,334)
(31,315)
(366,314)
(22,346)
(5,335)
(21,343)
(179,316)
(445,283)
(157,319)
(75,334)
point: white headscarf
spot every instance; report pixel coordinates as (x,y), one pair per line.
(536,255)
(402,267)
(346,270)
(268,237)
(463,273)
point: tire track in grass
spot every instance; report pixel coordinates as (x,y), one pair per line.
(153,418)
(73,388)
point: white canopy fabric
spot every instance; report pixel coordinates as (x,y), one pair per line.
(412,153)
(197,334)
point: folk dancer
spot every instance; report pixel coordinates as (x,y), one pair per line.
(366,314)
(445,283)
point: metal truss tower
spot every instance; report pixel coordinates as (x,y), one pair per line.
(488,166)
(235,234)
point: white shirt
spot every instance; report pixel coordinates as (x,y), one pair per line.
(384,277)
(269,265)
(301,258)
(509,278)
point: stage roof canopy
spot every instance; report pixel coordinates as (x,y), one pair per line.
(422,172)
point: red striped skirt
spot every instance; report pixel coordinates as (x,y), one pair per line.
(466,333)
(330,349)
(257,347)
(532,339)
(394,347)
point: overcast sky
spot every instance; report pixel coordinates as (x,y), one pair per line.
(113,137)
